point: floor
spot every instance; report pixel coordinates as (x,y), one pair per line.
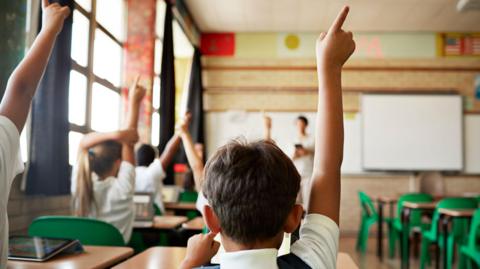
(370,260)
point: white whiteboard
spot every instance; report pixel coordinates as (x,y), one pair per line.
(221,127)
(412,132)
(472,144)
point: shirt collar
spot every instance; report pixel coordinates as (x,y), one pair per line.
(254,258)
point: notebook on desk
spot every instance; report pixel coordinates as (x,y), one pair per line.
(144,211)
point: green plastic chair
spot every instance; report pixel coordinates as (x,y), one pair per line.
(157,210)
(414,222)
(89,231)
(369,217)
(189,197)
(470,252)
(429,236)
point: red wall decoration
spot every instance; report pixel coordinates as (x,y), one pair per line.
(218,44)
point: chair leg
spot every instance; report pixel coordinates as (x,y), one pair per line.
(359,235)
(424,255)
(392,239)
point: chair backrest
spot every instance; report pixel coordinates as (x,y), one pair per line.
(474,230)
(367,204)
(188,196)
(415,216)
(451,203)
(88,231)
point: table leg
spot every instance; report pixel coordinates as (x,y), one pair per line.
(437,248)
(380,231)
(445,241)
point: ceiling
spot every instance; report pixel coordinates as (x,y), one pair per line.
(316,15)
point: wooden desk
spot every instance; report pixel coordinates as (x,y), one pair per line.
(180,206)
(165,222)
(194,224)
(445,217)
(94,258)
(171,257)
(381,202)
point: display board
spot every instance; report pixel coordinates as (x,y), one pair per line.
(222,127)
(472,144)
(412,132)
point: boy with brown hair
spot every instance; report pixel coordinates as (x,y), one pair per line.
(251,188)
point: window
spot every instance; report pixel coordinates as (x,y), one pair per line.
(183,63)
(96,75)
(159,26)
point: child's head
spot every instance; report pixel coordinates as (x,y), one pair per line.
(252,188)
(145,155)
(104,159)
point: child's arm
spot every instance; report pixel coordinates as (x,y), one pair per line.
(169,152)
(267,127)
(24,80)
(333,49)
(136,95)
(129,136)
(195,161)
(200,250)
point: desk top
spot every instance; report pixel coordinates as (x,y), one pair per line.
(168,222)
(457,212)
(94,257)
(180,206)
(194,224)
(424,205)
(171,257)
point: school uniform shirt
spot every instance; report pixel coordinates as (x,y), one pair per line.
(150,179)
(201,202)
(114,199)
(10,165)
(317,248)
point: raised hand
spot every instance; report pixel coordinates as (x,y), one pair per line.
(267,122)
(137,92)
(182,126)
(334,47)
(53,17)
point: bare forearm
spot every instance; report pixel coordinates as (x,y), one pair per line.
(325,194)
(128,154)
(93,139)
(132,117)
(194,160)
(169,152)
(24,80)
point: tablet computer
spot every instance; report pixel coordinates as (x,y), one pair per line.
(27,248)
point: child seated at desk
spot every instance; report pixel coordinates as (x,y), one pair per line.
(252,187)
(15,107)
(103,181)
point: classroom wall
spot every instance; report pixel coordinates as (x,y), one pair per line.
(23,209)
(259,76)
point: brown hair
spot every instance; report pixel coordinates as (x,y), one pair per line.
(252,187)
(99,159)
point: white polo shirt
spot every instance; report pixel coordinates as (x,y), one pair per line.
(10,166)
(114,199)
(317,247)
(150,179)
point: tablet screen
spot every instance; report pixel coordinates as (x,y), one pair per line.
(35,247)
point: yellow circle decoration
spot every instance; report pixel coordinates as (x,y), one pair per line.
(292,42)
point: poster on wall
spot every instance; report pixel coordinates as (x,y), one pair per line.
(458,44)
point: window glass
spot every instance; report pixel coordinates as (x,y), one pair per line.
(77,100)
(80,38)
(74,139)
(156,93)
(86,4)
(105,109)
(110,15)
(183,47)
(161,9)
(158,56)
(155,128)
(107,58)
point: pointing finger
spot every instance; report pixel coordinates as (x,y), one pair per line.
(338,23)
(45,3)
(322,35)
